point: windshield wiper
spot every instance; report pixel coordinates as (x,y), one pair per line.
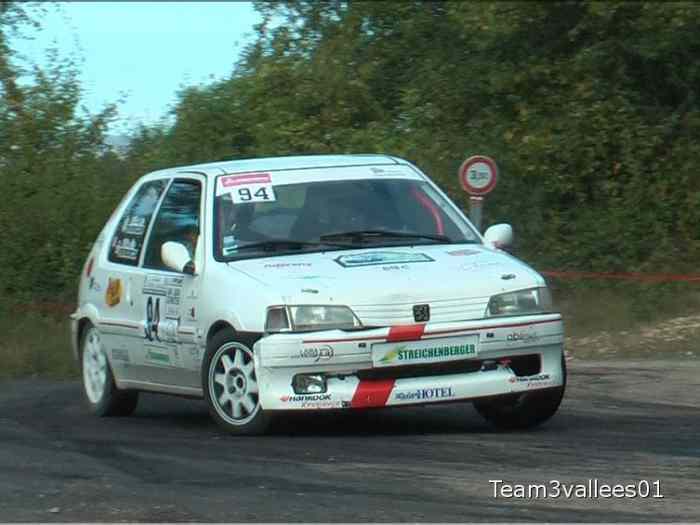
(275,244)
(363,235)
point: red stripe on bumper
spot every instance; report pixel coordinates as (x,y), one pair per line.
(372,393)
(409,332)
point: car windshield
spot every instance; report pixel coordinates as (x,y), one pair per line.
(255,219)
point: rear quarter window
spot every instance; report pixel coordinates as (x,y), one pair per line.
(127,241)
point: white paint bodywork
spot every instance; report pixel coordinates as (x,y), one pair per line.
(457,281)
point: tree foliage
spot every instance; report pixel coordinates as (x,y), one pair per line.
(590,109)
(55,190)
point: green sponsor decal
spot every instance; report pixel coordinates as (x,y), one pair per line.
(403,353)
(391,355)
(155,356)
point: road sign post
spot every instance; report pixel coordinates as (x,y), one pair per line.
(478,176)
(476,204)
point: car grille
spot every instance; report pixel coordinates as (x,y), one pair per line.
(443,311)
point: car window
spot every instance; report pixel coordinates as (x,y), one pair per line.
(128,239)
(274,219)
(306,212)
(177,220)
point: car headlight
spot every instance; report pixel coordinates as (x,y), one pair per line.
(522,302)
(310,317)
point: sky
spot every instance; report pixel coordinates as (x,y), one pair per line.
(142,51)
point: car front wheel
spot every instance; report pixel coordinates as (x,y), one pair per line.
(101,393)
(230,385)
(525,410)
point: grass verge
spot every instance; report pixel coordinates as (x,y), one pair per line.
(601,321)
(34,343)
(613,320)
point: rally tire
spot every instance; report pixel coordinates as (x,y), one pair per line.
(522,411)
(100,392)
(229,382)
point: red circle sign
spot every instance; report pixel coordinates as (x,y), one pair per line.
(478,175)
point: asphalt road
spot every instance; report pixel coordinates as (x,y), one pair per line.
(620,422)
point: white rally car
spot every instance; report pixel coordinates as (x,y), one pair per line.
(311,283)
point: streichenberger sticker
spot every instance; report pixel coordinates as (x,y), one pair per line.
(402,353)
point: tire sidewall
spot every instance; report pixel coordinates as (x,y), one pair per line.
(530,409)
(259,423)
(100,408)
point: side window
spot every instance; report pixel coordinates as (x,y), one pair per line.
(128,239)
(177,220)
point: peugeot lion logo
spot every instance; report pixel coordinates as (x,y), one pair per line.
(421,313)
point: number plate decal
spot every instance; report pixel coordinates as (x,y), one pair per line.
(425,351)
(251,187)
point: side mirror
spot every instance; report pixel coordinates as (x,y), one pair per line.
(177,257)
(499,235)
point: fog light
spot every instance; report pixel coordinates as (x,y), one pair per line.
(488,365)
(309,384)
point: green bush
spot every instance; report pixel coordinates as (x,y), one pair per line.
(590,109)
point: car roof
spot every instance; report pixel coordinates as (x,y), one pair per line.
(295,162)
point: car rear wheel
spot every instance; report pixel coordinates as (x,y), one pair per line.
(101,393)
(526,410)
(230,385)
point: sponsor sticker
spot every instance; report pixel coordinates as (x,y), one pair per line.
(313,401)
(420,394)
(94,285)
(167,287)
(478,265)
(113,295)
(385,172)
(304,397)
(426,351)
(393,267)
(250,187)
(121,354)
(127,249)
(316,353)
(323,404)
(287,265)
(230,245)
(157,355)
(134,225)
(159,284)
(536,381)
(522,337)
(462,253)
(381,258)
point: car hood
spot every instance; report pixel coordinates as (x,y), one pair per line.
(382,284)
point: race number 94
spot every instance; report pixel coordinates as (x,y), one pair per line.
(246,195)
(254,193)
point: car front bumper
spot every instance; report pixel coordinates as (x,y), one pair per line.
(414,364)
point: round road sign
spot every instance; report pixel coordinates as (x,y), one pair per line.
(478,175)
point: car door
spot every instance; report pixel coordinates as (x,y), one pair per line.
(169,298)
(120,276)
